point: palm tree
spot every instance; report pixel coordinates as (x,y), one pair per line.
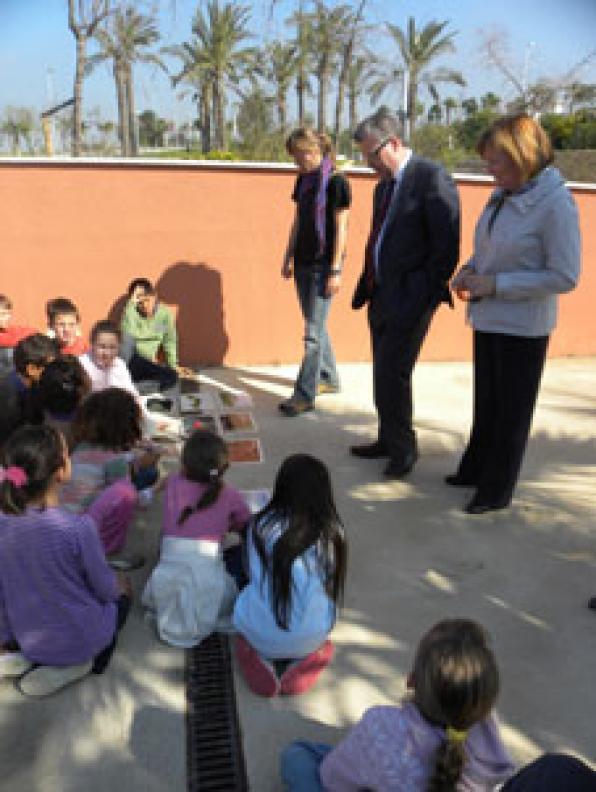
(359,75)
(124,40)
(196,74)
(83,18)
(418,48)
(281,62)
(219,32)
(348,46)
(328,26)
(302,43)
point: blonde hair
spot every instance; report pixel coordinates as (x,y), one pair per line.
(456,683)
(523,140)
(306,138)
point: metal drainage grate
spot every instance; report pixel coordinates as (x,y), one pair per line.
(215,759)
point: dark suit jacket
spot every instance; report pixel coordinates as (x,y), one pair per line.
(420,247)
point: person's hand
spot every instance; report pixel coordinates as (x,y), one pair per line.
(332,285)
(480,286)
(287,270)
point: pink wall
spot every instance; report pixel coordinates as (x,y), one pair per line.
(212,238)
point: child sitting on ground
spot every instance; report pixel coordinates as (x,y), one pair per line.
(62,387)
(60,603)
(297,563)
(101,362)
(64,324)
(10,334)
(443,737)
(106,458)
(19,388)
(190,590)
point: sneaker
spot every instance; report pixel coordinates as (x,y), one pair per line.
(13,664)
(301,675)
(259,673)
(295,406)
(45,680)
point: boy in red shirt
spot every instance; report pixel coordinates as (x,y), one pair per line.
(64,325)
(10,334)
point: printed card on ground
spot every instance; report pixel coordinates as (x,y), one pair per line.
(245,450)
(238,422)
(235,400)
(197,403)
(256,499)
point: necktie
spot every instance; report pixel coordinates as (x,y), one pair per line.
(378,220)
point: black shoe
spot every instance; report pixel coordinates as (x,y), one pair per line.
(479,505)
(374,450)
(592,603)
(397,469)
(457,480)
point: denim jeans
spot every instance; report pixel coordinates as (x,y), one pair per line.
(300,766)
(318,362)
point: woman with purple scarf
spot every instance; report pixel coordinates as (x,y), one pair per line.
(314,256)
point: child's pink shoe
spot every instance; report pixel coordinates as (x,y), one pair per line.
(259,674)
(301,675)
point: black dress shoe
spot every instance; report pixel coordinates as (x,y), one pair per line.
(592,603)
(479,505)
(374,450)
(398,468)
(456,480)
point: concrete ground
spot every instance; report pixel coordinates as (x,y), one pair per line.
(525,573)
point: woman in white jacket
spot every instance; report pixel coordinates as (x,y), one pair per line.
(526,252)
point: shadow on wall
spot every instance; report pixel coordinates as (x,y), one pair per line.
(196,290)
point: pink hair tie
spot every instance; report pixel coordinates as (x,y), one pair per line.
(16,475)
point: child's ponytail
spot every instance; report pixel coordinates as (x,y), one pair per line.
(204,460)
(31,456)
(450,758)
(456,683)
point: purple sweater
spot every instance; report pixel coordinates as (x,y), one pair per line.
(57,593)
(391,749)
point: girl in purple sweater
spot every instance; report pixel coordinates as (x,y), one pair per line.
(60,603)
(443,737)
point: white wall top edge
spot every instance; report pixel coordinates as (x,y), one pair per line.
(140,162)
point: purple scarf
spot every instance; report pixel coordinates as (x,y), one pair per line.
(325,171)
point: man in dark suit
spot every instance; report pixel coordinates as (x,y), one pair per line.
(410,256)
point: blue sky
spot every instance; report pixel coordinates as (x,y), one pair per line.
(550,36)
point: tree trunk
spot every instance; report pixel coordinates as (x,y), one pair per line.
(132,121)
(205,115)
(123,117)
(339,105)
(218,110)
(300,91)
(323,77)
(281,111)
(77,127)
(412,100)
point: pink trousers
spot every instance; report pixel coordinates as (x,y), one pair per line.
(112,511)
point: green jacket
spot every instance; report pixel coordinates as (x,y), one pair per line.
(152,332)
